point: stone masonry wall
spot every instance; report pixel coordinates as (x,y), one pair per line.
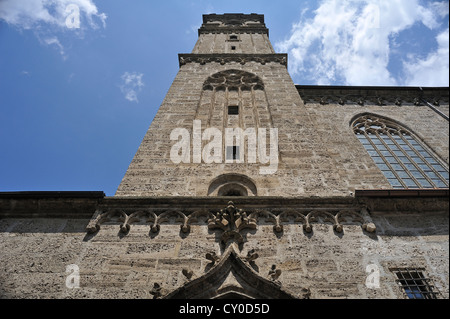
(34,254)
(351,162)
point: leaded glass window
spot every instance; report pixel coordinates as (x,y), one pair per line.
(404,161)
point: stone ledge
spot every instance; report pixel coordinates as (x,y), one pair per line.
(377,95)
(49,204)
(85,204)
(444,192)
(52,194)
(224,58)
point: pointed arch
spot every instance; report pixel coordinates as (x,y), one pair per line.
(403,158)
(231,277)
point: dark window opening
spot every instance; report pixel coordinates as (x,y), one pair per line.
(233,47)
(414,283)
(233,110)
(233,37)
(233,192)
(232,152)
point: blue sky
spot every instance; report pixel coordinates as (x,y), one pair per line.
(77,99)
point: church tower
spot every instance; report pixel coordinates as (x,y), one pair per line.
(231,123)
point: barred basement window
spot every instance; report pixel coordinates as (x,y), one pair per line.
(414,283)
(404,161)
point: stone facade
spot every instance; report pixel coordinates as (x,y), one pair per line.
(326,223)
(317,257)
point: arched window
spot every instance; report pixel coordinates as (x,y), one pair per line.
(232,185)
(403,159)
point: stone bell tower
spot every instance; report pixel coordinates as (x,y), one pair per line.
(233,81)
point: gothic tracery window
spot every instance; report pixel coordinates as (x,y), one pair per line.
(402,158)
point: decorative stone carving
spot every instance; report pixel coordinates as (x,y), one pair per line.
(274,273)
(323,100)
(225,58)
(232,277)
(370,96)
(233,19)
(231,221)
(100,217)
(251,256)
(336,219)
(373,124)
(156,291)
(233,79)
(380,101)
(187,273)
(233,23)
(212,257)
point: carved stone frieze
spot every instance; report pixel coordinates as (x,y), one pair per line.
(233,19)
(231,221)
(233,23)
(307,218)
(378,96)
(232,57)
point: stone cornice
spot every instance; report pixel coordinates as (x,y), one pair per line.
(185,58)
(233,18)
(49,204)
(40,205)
(233,23)
(233,30)
(373,95)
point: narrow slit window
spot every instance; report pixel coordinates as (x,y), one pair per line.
(232,153)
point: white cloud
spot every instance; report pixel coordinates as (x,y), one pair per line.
(29,14)
(434,69)
(348,42)
(47,18)
(55,42)
(131,85)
